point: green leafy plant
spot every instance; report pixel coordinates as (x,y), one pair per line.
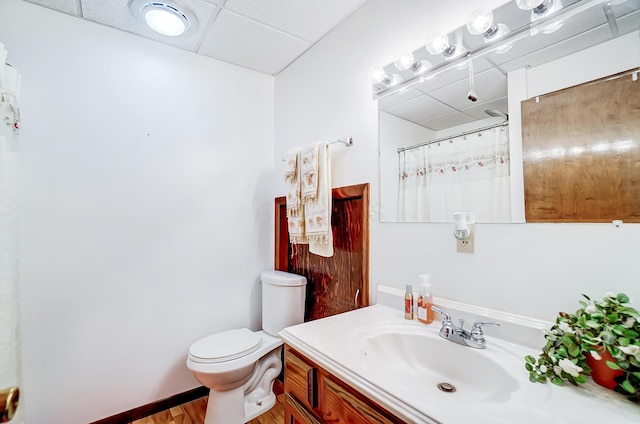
(609,324)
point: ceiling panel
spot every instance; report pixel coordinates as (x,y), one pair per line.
(477,110)
(263,35)
(242,41)
(489,84)
(400,97)
(419,109)
(449,120)
(285,14)
(69,7)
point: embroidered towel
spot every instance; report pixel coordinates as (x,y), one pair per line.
(295,210)
(309,172)
(292,181)
(317,211)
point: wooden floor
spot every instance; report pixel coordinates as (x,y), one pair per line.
(193,413)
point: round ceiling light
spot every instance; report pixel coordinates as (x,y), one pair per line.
(166,17)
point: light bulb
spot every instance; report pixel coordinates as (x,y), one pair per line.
(437,43)
(531,4)
(404,61)
(548,7)
(165,22)
(166,17)
(480,21)
(378,75)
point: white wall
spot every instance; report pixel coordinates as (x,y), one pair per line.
(531,269)
(146,210)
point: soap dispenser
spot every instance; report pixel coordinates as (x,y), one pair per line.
(425,300)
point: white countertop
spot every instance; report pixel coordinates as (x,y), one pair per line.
(331,343)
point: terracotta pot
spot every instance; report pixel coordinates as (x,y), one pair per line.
(600,371)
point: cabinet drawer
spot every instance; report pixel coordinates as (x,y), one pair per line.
(301,379)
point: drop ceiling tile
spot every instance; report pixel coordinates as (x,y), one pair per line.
(67,6)
(419,109)
(245,42)
(452,75)
(118,15)
(490,84)
(478,110)
(306,19)
(448,120)
(399,97)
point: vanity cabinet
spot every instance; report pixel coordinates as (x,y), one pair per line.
(314,396)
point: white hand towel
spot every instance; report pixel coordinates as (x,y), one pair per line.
(317,212)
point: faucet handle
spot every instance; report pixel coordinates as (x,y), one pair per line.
(447,317)
(476,330)
(461,321)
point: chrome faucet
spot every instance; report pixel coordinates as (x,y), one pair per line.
(457,334)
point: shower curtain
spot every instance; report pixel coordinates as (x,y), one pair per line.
(465,173)
(9,126)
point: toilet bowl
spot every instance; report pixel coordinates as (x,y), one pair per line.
(239,366)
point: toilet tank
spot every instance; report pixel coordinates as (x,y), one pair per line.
(283,296)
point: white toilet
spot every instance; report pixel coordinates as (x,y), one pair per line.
(239,366)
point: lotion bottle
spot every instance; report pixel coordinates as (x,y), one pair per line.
(425,300)
(408,302)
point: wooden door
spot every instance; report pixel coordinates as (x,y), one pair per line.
(340,283)
(581,151)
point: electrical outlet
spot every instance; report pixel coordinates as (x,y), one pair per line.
(467,245)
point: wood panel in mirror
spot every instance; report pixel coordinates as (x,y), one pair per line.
(581,150)
(339,283)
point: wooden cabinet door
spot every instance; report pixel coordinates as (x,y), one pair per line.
(294,413)
(301,379)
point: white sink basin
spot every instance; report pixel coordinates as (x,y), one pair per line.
(399,354)
(398,364)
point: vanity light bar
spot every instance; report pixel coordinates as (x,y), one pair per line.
(383,90)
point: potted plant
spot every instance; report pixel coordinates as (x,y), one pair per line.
(601,334)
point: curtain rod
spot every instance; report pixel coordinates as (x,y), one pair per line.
(462,134)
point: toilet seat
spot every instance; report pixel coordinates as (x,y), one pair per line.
(225,346)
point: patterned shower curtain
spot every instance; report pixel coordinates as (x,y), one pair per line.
(465,173)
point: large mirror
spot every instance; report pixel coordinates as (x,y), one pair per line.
(425,109)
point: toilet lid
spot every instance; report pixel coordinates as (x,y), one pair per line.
(225,346)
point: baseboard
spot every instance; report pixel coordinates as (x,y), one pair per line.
(155,407)
(170,402)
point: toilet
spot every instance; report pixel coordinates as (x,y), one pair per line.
(239,366)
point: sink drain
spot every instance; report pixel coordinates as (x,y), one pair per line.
(446,387)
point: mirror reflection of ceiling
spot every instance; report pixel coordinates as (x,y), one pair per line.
(441,102)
